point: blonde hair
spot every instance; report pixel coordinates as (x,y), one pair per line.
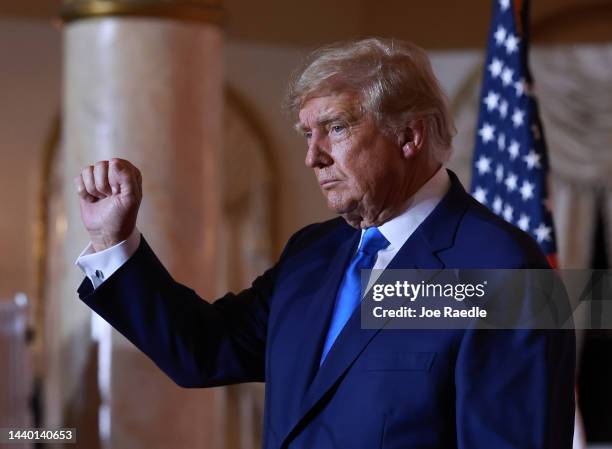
(393,79)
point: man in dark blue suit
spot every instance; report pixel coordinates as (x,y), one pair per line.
(378,132)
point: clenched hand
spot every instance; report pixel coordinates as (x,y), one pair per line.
(110,193)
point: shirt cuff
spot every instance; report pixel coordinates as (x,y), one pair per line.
(99,266)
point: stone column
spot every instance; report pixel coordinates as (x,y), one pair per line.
(143,81)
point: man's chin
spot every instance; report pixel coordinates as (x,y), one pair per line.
(340,205)
(355,216)
(347,210)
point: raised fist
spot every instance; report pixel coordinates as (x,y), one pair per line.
(110,193)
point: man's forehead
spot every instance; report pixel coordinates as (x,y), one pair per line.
(320,109)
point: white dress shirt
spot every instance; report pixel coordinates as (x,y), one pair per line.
(99,266)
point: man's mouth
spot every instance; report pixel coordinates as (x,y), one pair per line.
(328,183)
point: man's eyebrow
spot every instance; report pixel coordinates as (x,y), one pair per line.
(326,118)
(300,128)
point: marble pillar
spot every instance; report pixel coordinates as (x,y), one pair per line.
(143,82)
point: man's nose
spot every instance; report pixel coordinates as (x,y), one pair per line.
(318,155)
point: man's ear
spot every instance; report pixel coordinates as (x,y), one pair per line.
(412,138)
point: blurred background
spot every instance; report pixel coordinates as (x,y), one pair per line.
(190,92)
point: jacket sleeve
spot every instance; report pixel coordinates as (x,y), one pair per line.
(196,343)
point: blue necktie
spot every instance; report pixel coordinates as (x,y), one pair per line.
(349,293)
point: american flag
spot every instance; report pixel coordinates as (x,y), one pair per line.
(510,164)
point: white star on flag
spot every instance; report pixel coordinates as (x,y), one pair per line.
(495,67)
(518,117)
(491,100)
(504,4)
(508,211)
(481,195)
(542,233)
(519,87)
(506,76)
(501,141)
(503,109)
(499,173)
(532,160)
(513,149)
(500,35)
(511,182)
(511,44)
(487,132)
(523,222)
(497,205)
(483,165)
(527,190)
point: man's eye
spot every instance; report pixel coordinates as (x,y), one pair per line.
(337,128)
(307,134)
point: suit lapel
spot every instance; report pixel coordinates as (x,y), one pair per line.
(435,234)
(306,362)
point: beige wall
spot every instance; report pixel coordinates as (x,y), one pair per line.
(30,65)
(260,73)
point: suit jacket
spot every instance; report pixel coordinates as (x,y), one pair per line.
(422,389)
